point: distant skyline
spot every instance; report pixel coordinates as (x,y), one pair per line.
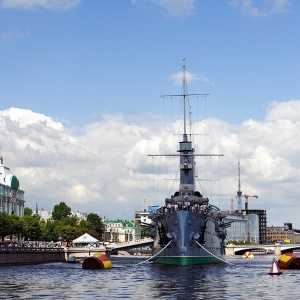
(80,105)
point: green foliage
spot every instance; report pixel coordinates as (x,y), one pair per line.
(49,231)
(68,233)
(33,229)
(96,224)
(5,225)
(85,226)
(62,224)
(28,211)
(61,211)
(145,232)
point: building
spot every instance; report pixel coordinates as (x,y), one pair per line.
(248,225)
(47,215)
(253,229)
(142,216)
(238,231)
(282,234)
(11,195)
(262,225)
(120,231)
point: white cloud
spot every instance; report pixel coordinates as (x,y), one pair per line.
(177,8)
(14,33)
(105,169)
(261,8)
(177,78)
(289,111)
(47,4)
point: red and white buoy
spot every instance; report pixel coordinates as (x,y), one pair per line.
(275,269)
(248,254)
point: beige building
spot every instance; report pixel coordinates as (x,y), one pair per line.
(120,231)
(280,234)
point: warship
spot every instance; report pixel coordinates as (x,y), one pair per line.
(187,229)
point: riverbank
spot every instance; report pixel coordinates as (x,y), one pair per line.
(28,255)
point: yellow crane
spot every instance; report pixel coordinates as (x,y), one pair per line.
(246,199)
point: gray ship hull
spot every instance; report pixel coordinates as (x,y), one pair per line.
(184,237)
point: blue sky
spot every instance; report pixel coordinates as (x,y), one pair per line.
(108,56)
(78,75)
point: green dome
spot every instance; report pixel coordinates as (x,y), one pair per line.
(14,182)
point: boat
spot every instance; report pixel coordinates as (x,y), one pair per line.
(289,261)
(187,229)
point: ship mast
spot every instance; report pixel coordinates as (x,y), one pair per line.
(186,151)
(184,101)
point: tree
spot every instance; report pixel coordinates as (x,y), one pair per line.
(85,226)
(49,230)
(17,226)
(5,225)
(97,224)
(145,232)
(61,211)
(33,230)
(68,233)
(72,221)
(28,211)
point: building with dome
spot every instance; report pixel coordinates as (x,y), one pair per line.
(120,231)
(11,196)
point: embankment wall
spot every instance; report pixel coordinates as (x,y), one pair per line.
(30,256)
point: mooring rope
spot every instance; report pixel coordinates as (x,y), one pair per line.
(223,260)
(154,255)
(167,246)
(151,256)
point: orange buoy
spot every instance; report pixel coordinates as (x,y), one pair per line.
(248,254)
(275,269)
(97,261)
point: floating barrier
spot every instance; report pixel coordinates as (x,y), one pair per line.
(248,254)
(289,261)
(275,270)
(97,261)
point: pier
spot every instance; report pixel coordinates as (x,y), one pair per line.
(30,255)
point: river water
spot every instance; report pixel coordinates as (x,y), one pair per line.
(237,279)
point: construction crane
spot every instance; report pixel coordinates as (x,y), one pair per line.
(240,194)
(246,200)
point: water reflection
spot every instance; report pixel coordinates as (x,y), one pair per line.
(241,280)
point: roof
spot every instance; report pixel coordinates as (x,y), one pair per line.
(85,238)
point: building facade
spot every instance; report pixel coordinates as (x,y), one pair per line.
(120,231)
(142,215)
(262,224)
(11,195)
(283,234)
(247,225)
(238,231)
(47,215)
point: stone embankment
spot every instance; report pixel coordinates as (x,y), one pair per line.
(28,255)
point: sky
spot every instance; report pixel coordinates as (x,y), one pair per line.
(80,105)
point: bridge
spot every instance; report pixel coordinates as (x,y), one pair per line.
(278,249)
(147,242)
(230,250)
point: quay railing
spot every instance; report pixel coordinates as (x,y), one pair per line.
(30,249)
